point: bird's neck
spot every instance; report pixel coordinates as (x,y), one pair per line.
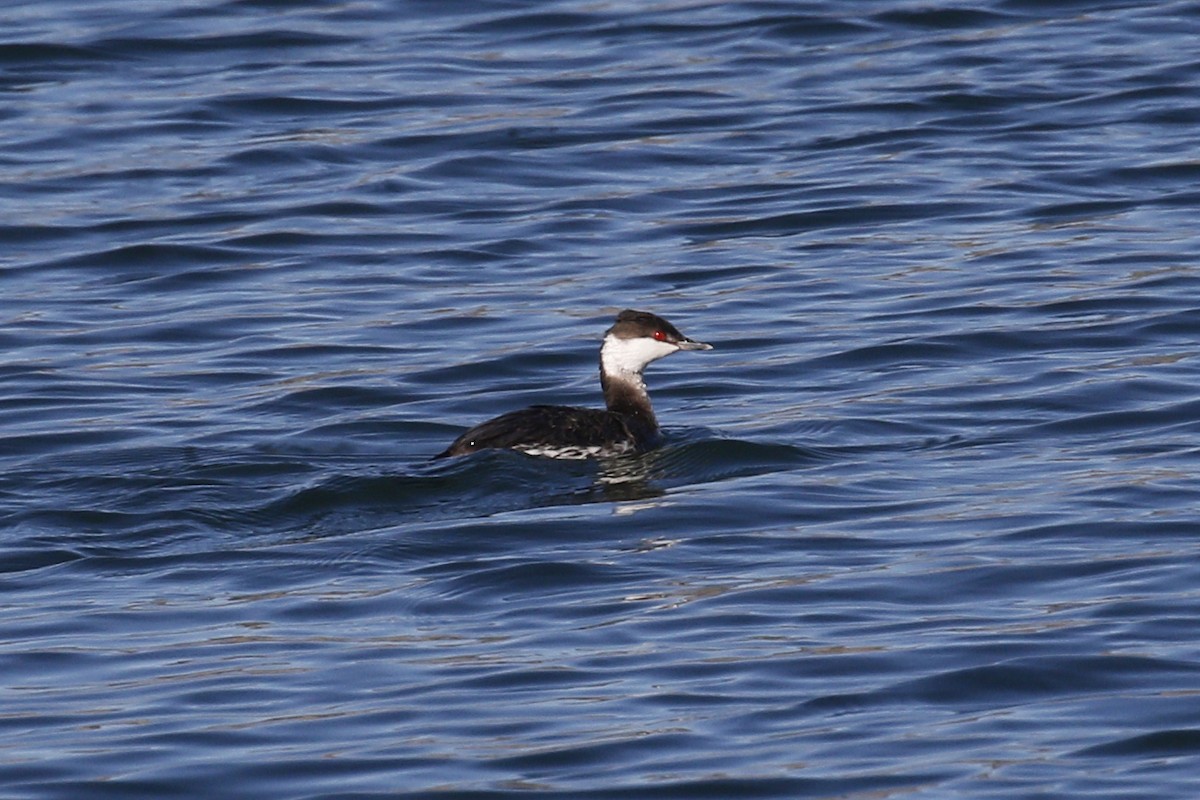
(628,397)
(621,379)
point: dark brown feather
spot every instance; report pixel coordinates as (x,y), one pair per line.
(570,428)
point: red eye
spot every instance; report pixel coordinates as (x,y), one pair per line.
(660,336)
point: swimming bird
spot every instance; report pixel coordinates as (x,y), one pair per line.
(627,424)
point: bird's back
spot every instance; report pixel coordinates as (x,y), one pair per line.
(557,431)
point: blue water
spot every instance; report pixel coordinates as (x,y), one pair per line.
(926,522)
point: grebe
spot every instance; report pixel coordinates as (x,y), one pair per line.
(627,424)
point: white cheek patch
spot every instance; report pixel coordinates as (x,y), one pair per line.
(630,356)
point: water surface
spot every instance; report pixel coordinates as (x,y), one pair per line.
(924,524)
